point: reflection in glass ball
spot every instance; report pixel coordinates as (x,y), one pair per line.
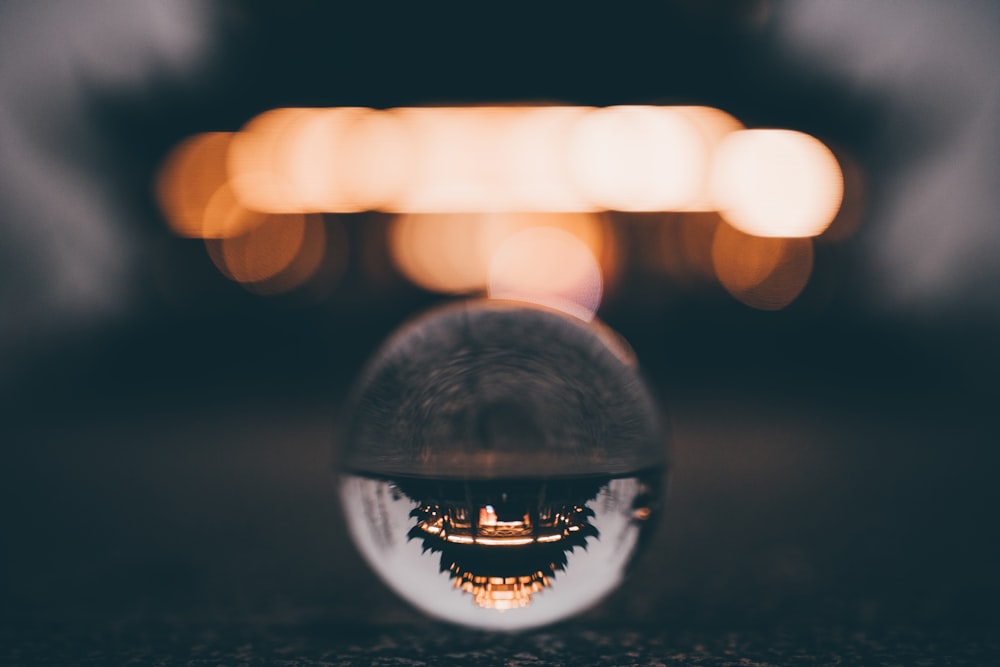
(502,464)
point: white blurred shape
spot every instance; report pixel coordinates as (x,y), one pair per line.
(713,126)
(536,151)
(487,159)
(638,158)
(778,183)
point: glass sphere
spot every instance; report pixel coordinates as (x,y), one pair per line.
(502,464)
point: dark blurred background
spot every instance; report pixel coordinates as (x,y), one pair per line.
(167,439)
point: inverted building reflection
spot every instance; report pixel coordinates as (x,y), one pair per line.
(501,545)
(496,545)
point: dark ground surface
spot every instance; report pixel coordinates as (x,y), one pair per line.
(833,508)
(314,643)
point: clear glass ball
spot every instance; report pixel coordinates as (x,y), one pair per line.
(502,464)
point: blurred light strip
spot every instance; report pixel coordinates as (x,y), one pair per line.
(505,159)
(487,159)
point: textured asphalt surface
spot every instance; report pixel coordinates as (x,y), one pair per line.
(799,531)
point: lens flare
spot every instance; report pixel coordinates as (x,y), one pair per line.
(547,266)
(766,273)
(776,183)
(637,158)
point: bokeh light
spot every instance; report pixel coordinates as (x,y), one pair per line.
(639,158)
(278,256)
(316,164)
(306,263)
(265,251)
(457,167)
(776,183)
(713,126)
(536,151)
(766,273)
(547,266)
(487,159)
(441,253)
(379,160)
(452,253)
(258,159)
(193,191)
(342,159)
(468,183)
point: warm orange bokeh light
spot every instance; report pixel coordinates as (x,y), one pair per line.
(263,253)
(315,163)
(848,219)
(547,266)
(536,151)
(306,263)
(762,272)
(638,158)
(379,156)
(713,126)
(441,253)
(259,157)
(777,183)
(456,167)
(504,197)
(452,252)
(312,160)
(193,191)
(487,159)
(319,261)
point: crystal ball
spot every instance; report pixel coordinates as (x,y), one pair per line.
(502,464)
